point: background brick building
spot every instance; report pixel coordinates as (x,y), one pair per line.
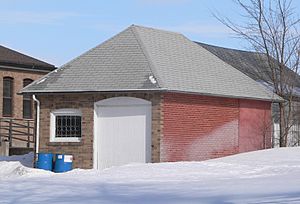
(16,71)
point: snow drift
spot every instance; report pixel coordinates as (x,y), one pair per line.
(17,166)
(25,160)
(269,176)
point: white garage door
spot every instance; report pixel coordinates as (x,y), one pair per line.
(123,131)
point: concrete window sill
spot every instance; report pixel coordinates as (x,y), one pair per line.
(65,143)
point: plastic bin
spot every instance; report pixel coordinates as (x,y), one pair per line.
(63,163)
(45,161)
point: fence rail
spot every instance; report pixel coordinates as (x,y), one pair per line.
(17,132)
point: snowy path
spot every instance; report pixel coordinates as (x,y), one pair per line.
(271,176)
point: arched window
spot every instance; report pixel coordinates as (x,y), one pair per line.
(27,101)
(8,85)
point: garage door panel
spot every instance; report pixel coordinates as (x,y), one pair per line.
(122,135)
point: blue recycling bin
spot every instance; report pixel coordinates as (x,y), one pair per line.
(45,161)
(63,163)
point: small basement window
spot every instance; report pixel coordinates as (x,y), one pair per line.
(66,125)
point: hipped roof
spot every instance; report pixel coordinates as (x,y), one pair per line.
(141,58)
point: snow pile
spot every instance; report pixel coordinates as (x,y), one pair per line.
(262,163)
(12,169)
(268,176)
(17,166)
(26,160)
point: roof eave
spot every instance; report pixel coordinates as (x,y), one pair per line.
(86,91)
(27,68)
(42,92)
(275,100)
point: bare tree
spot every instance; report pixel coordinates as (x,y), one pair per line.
(272,29)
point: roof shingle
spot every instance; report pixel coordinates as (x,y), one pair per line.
(129,60)
(253,64)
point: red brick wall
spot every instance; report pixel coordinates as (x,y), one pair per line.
(255,125)
(198,127)
(204,127)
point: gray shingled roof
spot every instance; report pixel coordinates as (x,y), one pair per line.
(9,57)
(253,64)
(128,60)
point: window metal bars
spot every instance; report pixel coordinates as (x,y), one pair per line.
(68,126)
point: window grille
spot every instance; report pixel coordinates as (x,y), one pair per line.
(68,126)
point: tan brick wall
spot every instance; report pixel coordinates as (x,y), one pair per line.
(17,100)
(18,76)
(83,151)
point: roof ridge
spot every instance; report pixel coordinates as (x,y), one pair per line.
(147,56)
(155,29)
(264,89)
(73,60)
(227,48)
(91,49)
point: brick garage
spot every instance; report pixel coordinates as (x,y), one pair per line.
(148,95)
(185,127)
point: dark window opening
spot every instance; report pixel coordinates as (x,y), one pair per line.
(8,96)
(27,101)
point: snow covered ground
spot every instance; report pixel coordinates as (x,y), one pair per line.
(269,176)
